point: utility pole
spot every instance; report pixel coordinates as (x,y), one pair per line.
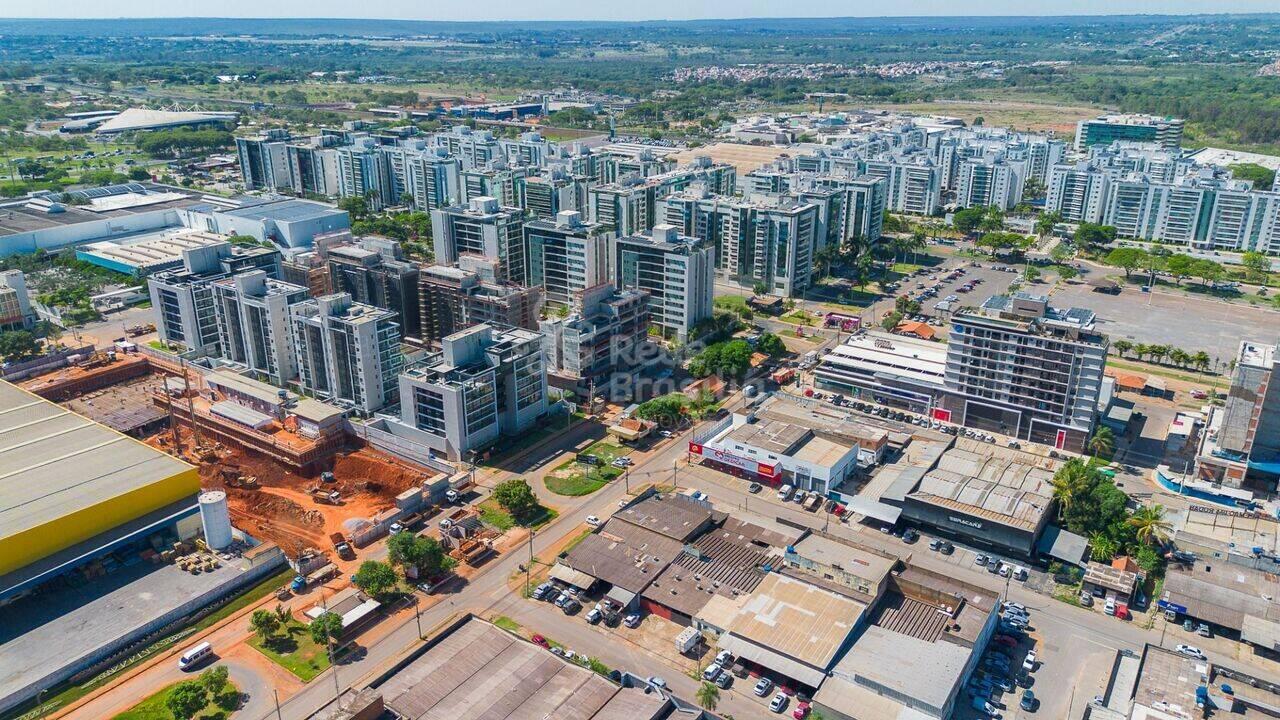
(417,615)
(675,475)
(529,567)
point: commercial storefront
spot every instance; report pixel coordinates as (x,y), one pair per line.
(737,465)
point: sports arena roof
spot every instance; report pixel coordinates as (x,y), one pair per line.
(144,119)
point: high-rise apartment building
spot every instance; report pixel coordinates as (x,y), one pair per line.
(183,298)
(485,229)
(678,273)
(373,273)
(1240,447)
(1106,129)
(598,349)
(252,312)
(1020,367)
(347,353)
(566,256)
(264,160)
(488,382)
(456,298)
(991,182)
(767,240)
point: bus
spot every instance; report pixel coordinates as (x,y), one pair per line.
(195,656)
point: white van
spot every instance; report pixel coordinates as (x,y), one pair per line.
(784,493)
(194,656)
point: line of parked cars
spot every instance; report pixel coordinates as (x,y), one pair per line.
(999,671)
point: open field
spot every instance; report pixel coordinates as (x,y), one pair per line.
(293,649)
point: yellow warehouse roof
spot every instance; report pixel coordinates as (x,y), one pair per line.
(54,462)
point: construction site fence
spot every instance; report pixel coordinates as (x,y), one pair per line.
(400,447)
(43,364)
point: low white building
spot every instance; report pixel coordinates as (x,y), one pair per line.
(777,452)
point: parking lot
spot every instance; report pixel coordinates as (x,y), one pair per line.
(949,282)
(1187,322)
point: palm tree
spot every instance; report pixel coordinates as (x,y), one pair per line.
(1122,347)
(708,696)
(1103,442)
(1069,481)
(1158,352)
(1149,524)
(1179,357)
(1201,360)
(1102,548)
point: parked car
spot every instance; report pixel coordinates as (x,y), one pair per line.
(801,711)
(910,536)
(762,687)
(1086,600)
(657,682)
(1110,606)
(723,657)
(980,560)
(540,592)
(711,672)
(724,681)
(1029,662)
(754,488)
(571,607)
(947,548)
(778,703)
(1028,701)
(1191,651)
(539,640)
(595,615)
(593,521)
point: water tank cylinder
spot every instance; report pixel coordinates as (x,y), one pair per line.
(216,519)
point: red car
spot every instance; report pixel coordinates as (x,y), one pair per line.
(802,709)
(539,640)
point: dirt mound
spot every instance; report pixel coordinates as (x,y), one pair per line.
(372,471)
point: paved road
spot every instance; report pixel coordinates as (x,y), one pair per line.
(481,595)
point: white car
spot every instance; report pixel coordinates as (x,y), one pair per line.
(593,521)
(1029,662)
(1016,606)
(712,672)
(1191,651)
(762,687)
(778,703)
(723,657)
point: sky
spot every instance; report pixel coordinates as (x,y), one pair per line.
(608,9)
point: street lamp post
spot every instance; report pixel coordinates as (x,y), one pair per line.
(417,615)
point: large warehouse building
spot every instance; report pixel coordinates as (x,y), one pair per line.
(70,488)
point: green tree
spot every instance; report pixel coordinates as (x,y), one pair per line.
(1201,360)
(214,679)
(1103,442)
(1066,272)
(1031,273)
(1126,258)
(1256,265)
(1208,271)
(1122,347)
(1092,236)
(708,696)
(187,699)
(890,321)
(264,624)
(1180,266)
(666,410)
(424,554)
(516,497)
(327,626)
(1069,482)
(18,345)
(1102,548)
(375,578)
(771,345)
(1046,222)
(759,289)
(1149,524)
(966,221)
